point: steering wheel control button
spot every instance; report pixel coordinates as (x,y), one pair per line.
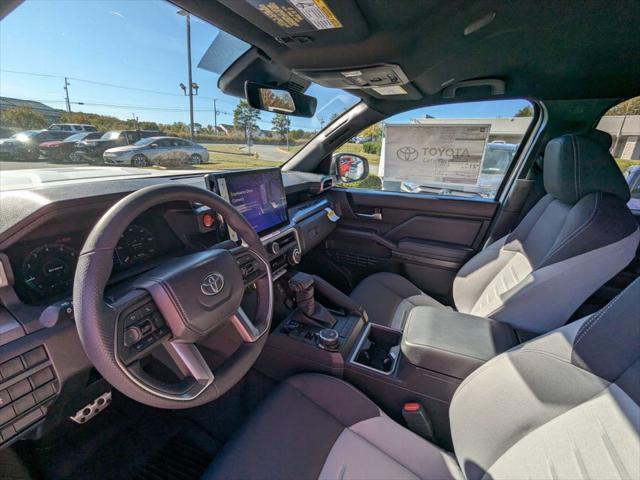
(132,335)
(329,339)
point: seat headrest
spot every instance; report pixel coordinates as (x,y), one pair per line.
(603,138)
(576,165)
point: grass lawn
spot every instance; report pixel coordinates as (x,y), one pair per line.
(358,149)
(625,164)
(355,148)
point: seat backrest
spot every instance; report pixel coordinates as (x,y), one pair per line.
(572,241)
(564,405)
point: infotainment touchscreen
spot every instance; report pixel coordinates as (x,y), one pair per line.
(258,194)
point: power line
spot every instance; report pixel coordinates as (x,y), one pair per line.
(105,84)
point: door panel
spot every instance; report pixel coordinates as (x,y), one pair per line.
(422,237)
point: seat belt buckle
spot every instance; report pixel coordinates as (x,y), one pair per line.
(417,420)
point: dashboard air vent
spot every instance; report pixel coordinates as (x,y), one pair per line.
(326,184)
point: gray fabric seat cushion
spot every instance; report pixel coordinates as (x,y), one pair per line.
(315,426)
(564,405)
(388,298)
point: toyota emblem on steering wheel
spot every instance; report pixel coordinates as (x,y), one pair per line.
(212,284)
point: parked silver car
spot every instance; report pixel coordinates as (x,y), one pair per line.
(164,151)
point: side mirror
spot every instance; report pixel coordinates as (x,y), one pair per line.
(347,167)
(279,100)
(154,145)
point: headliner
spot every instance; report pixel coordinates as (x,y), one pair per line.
(541,49)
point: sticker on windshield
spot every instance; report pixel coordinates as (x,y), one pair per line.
(435,154)
(297,16)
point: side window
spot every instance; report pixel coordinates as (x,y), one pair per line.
(622,122)
(461,149)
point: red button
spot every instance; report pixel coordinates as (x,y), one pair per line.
(411,407)
(208,220)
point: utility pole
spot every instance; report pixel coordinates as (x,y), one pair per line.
(66,91)
(186,15)
(215,117)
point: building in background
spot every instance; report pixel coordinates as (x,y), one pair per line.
(624,129)
(50,114)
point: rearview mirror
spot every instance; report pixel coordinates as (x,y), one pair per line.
(349,168)
(279,100)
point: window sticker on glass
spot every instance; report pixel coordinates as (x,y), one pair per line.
(446,155)
(298,16)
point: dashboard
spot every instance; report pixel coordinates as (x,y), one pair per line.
(42,231)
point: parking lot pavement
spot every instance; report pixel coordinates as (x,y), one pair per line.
(8,165)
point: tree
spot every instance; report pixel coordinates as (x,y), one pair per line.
(22,117)
(524,112)
(630,107)
(374,131)
(280,124)
(245,118)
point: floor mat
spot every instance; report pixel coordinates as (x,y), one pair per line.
(126,444)
(179,459)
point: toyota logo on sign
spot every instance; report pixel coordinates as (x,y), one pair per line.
(407,154)
(212,284)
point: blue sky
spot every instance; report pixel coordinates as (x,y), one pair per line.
(140,44)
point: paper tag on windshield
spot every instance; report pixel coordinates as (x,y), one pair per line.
(317,13)
(390,90)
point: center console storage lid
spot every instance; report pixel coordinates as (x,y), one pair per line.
(451,342)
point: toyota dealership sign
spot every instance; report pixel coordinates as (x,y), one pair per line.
(447,155)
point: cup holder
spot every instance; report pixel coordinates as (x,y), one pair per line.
(378,349)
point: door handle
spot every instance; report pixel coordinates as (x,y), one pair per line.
(376,215)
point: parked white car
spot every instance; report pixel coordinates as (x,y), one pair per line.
(157,151)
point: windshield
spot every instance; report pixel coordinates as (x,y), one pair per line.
(76,137)
(110,136)
(145,141)
(123,66)
(23,135)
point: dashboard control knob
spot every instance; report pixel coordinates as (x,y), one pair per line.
(132,335)
(294,256)
(275,248)
(329,339)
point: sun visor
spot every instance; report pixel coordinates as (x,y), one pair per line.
(223,51)
(299,22)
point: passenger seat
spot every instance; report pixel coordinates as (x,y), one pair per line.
(575,238)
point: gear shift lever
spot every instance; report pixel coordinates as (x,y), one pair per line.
(311,312)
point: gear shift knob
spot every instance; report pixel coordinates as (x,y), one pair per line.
(311,311)
(302,285)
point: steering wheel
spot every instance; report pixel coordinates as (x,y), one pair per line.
(171,308)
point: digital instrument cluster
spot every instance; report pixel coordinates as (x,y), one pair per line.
(46,268)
